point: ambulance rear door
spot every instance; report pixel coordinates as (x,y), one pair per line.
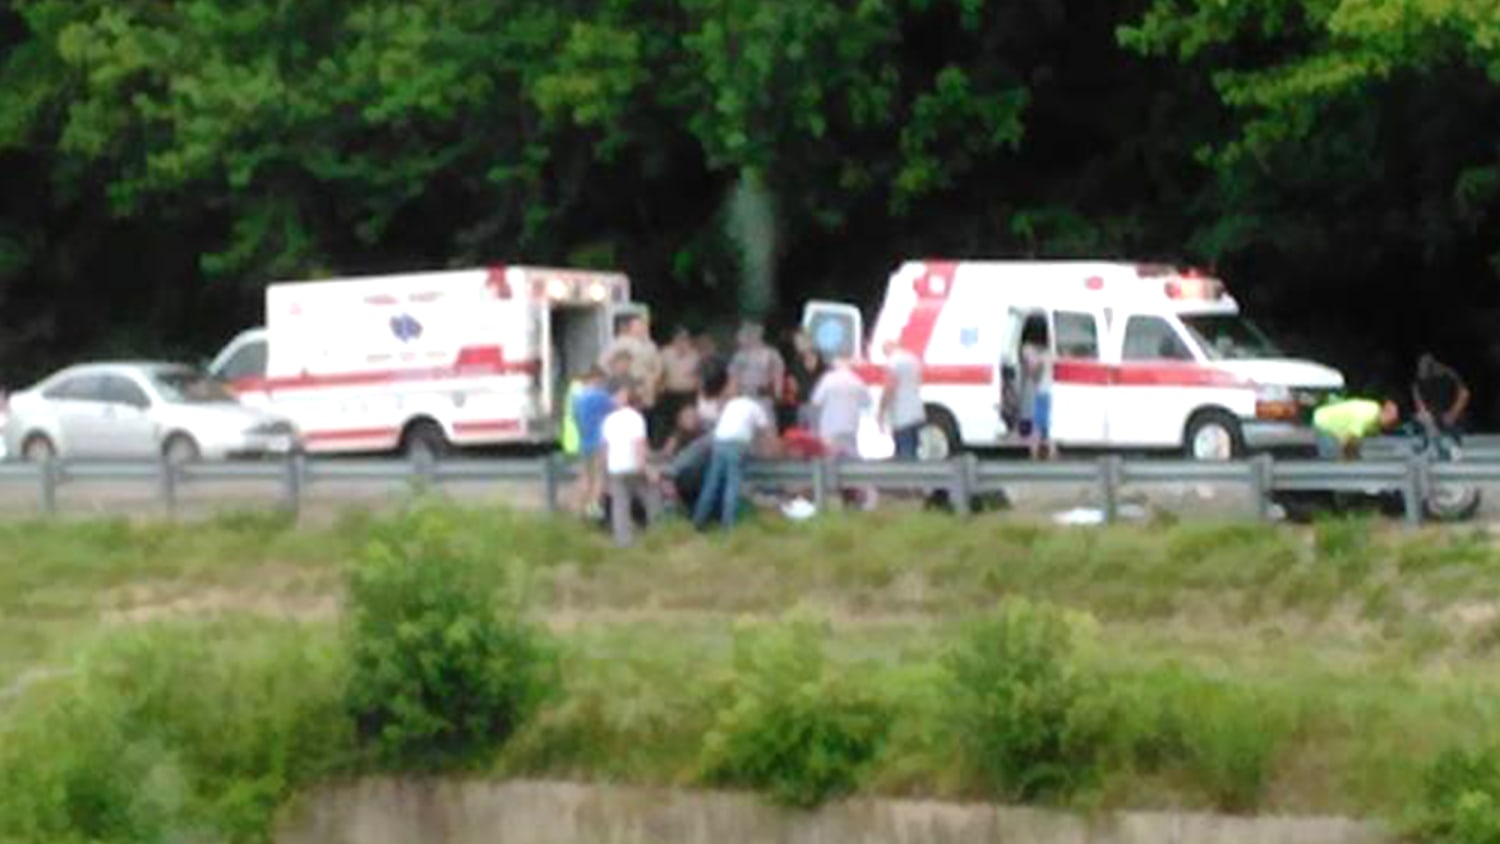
(836,329)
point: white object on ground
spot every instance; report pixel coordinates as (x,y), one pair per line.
(799,509)
(1088,516)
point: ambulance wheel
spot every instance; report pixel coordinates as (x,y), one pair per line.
(1214,435)
(938,439)
(424,440)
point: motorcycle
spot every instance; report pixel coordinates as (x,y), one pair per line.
(1441,502)
(1444,502)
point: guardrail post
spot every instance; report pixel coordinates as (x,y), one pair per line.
(49,477)
(551,480)
(822,468)
(1109,487)
(963,489)
(1262,471)
(424,471)
(1414,488)
(168,474)
(291,484)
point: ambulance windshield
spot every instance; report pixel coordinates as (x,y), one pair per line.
(1229,337)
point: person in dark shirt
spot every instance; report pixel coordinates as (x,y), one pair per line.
(1439,396)
(805,368)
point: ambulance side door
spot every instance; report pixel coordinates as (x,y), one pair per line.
(1080,379)
(1149,395)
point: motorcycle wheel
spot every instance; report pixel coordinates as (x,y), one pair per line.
(1453,503)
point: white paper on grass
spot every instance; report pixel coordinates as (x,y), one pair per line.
(799,509)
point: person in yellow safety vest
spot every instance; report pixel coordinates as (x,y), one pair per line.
(569,439)
(1342,425)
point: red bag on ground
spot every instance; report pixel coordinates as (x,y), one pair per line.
(802,444)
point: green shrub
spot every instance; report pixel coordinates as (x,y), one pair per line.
(440,674)
(1029,722)
(1461,798)
(1223,740)
(791,727)
(173,733)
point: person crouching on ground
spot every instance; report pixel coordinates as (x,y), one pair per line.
(1342,425)
(631,479)
(591,405)
(742,422)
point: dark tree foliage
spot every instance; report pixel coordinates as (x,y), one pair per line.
(161,162)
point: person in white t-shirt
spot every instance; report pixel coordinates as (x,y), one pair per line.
(631,478)
(901,404)
(838,401)
(741,423)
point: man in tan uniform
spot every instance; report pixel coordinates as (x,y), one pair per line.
(634,341)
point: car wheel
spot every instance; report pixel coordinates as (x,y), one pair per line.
(38,449)
(180,449)
(1214,435)
(937,439)
(424,441)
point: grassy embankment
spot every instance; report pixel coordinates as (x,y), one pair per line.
(1240,668)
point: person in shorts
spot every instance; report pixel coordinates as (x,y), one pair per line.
(1036,384)
(591,405)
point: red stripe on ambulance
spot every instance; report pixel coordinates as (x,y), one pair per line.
(474,361)
(932,289)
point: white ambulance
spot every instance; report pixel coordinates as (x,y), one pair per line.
(1147,356)
(426,361)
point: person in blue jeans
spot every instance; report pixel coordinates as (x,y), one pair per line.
(742,421)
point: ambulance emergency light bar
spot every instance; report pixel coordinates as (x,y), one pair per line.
(559,286)
(1182,284)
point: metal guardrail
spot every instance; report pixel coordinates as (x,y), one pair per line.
(963,479)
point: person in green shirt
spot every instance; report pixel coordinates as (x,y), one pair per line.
(1342,425)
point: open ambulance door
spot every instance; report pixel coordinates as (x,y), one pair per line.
(547,382)
(1008,372)
(836,329)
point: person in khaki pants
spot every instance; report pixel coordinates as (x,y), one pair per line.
(631,478)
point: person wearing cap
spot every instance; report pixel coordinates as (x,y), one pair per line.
(645,364)
(1439,396)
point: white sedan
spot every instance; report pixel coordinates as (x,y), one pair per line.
(138,411)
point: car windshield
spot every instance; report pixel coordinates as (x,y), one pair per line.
(188,387)
(1229,337)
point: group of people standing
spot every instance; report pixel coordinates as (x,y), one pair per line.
(709,416)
